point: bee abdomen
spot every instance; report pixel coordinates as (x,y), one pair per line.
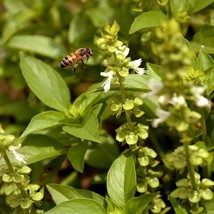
(65,62)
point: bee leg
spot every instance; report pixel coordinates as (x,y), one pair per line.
(75,66)
(83,63)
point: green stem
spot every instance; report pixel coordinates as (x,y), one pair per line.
(123,96)
(190,166)
(204,127)
(9,165)
(7,160)
(191,172)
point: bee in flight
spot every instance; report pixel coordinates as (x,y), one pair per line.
(80,55)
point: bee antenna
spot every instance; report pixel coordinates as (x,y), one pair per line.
(95,51)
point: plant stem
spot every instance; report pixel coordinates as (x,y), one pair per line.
(7,160)
(9,165)
(204,127)
(190,166)
(123,96)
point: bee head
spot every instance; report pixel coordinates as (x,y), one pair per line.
(89,51)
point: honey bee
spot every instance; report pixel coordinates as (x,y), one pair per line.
(80,55)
